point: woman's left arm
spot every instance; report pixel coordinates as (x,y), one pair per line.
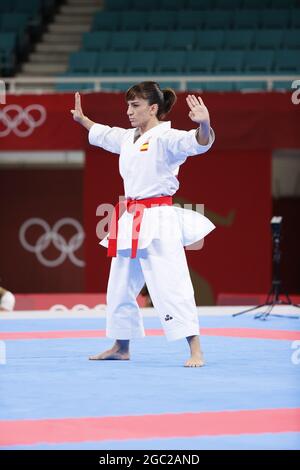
(199,114)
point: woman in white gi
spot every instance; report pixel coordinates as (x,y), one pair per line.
(147,234)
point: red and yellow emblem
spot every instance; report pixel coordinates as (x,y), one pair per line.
(144,147)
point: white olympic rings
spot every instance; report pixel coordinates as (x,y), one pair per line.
(67,249)
(13,115)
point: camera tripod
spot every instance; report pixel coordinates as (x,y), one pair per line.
(276,291)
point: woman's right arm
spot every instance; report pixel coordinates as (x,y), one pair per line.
(106,137)
(78,115)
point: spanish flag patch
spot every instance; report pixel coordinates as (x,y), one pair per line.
(144,147)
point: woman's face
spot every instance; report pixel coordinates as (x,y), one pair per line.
(140,112)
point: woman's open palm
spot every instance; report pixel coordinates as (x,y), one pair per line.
(198,111)
(78,115)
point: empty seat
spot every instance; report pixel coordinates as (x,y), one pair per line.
(282,85)
(113,86)
(106,20)
(124,40)
(246,19)
(268,39)
(259,61)
(118,5)
(170,62)
(133,20)
(219,86)
(217,19)
(181,40)
(295,18)
(229,61)
(210,39)
(83,62)
(190,19)
(238,39)
(110,63)
(291,39)
(195,86)
(141,62)
(283,3)
(199,62)
(200,4)
(251,86)
(96,40)
(256,4)
(172,5)
(161,19)
(229,4)
(275,18)
(145,5)
(287,61)
(152,40)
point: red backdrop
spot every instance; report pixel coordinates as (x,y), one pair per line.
(232,181)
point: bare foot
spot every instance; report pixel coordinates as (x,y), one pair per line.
(195,361)
(119,352)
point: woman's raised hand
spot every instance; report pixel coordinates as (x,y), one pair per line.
(198,111)
(78,115)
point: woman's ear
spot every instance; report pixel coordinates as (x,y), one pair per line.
(154,109)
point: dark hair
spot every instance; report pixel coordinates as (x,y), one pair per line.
(152,92)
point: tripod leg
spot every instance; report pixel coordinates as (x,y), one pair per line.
(264,315)
(249,310)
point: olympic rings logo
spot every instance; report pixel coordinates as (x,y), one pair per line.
(13,116)
(78,308)
(67,249)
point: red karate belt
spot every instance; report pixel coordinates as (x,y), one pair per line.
(135,206)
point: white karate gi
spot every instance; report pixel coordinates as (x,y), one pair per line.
(149,167)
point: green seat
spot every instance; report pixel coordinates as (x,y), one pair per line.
(124,40)
(251,86)
(295,18)
(8,42)
(141,62)
(273,19)
(133,20)
(200,4)
(217,19)
(83,62)
(238,39)
(172,5)
(256,4)
(210,39)
(117,5)
(111,63)
(282,85)
(229,61)
(74,86)
(291,39)
(283,3)
(145,5)
(96,40)
(189,19)
(180,40)
(172,84)
(152,40)
(161,19)
(219,86)
(195,86)
(112,86)
(287,61)
(170,62)
(13,22)
(199,62)
(229,4)
(106,21)
(6,6)
(259,61)
(268,39)
(246,19)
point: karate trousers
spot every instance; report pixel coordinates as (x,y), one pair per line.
(163,267)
